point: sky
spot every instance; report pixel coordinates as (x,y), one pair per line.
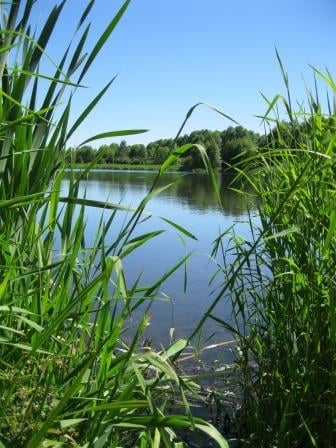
(172,54)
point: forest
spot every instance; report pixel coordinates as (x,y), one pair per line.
(223,149)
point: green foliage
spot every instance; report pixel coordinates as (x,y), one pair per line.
(223,148)
(138,154)
(282,284)
(211,142)
(67,378)
(85,154)
(161,154)
(238,144)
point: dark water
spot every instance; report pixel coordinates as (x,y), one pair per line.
(191,203)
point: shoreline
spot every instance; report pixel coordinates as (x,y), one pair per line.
(135,168)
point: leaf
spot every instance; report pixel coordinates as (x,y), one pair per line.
(89,109)
(176,421)
(150,289)
(113,134)
(271,105)
(45,36)
(94,203)
(103,38)
(175,348)
(11,330)
(85,13)
(22,346)
(171,159)
(326,78)
(23,200)
(156,360)
(179,228)
(331,232)
(191,110)
(15,309)
(32,324)
(71,422)
(282,233)
(138,241)
(212,432)
(118,405)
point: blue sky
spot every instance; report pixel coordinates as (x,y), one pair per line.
(171,54)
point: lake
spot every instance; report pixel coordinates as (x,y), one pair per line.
(191,203)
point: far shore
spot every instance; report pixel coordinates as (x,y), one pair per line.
(131,167)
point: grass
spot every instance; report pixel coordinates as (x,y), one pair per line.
(281,283)
(67,379)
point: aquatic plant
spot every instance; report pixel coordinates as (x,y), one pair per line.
(67,377)
(281,283)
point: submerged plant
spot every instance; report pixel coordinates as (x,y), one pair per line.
(67,378)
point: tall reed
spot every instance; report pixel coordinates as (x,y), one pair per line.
(282,281)
(67,378)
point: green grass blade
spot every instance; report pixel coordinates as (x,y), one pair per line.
(103,38)
(113,134)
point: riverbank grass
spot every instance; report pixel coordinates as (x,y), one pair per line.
(67,378)
(282,282)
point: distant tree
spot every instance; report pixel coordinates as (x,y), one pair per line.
(211,141)
(167,142)
(182,140)
(159,150)
(151,148)
(161,154)
(122,155)
(138,154)
(237,143)
(111,152)
(194,159)
(223,148)
(102,153)
(263,141)
(214,156)
(85,154)
(188,163)
(213,148)
(107,153)
(238,149)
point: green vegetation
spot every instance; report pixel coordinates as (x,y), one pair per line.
(223,148)
(127,167)
(282,282)
(67,378)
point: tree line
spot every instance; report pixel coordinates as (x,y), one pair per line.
(224,148)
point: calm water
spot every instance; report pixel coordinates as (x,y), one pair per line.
(189,202)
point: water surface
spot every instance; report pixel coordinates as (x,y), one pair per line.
(191,203)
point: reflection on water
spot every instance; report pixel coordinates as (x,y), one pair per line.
(192,190)
(191,203)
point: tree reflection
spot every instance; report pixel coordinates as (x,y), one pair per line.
(192,190)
